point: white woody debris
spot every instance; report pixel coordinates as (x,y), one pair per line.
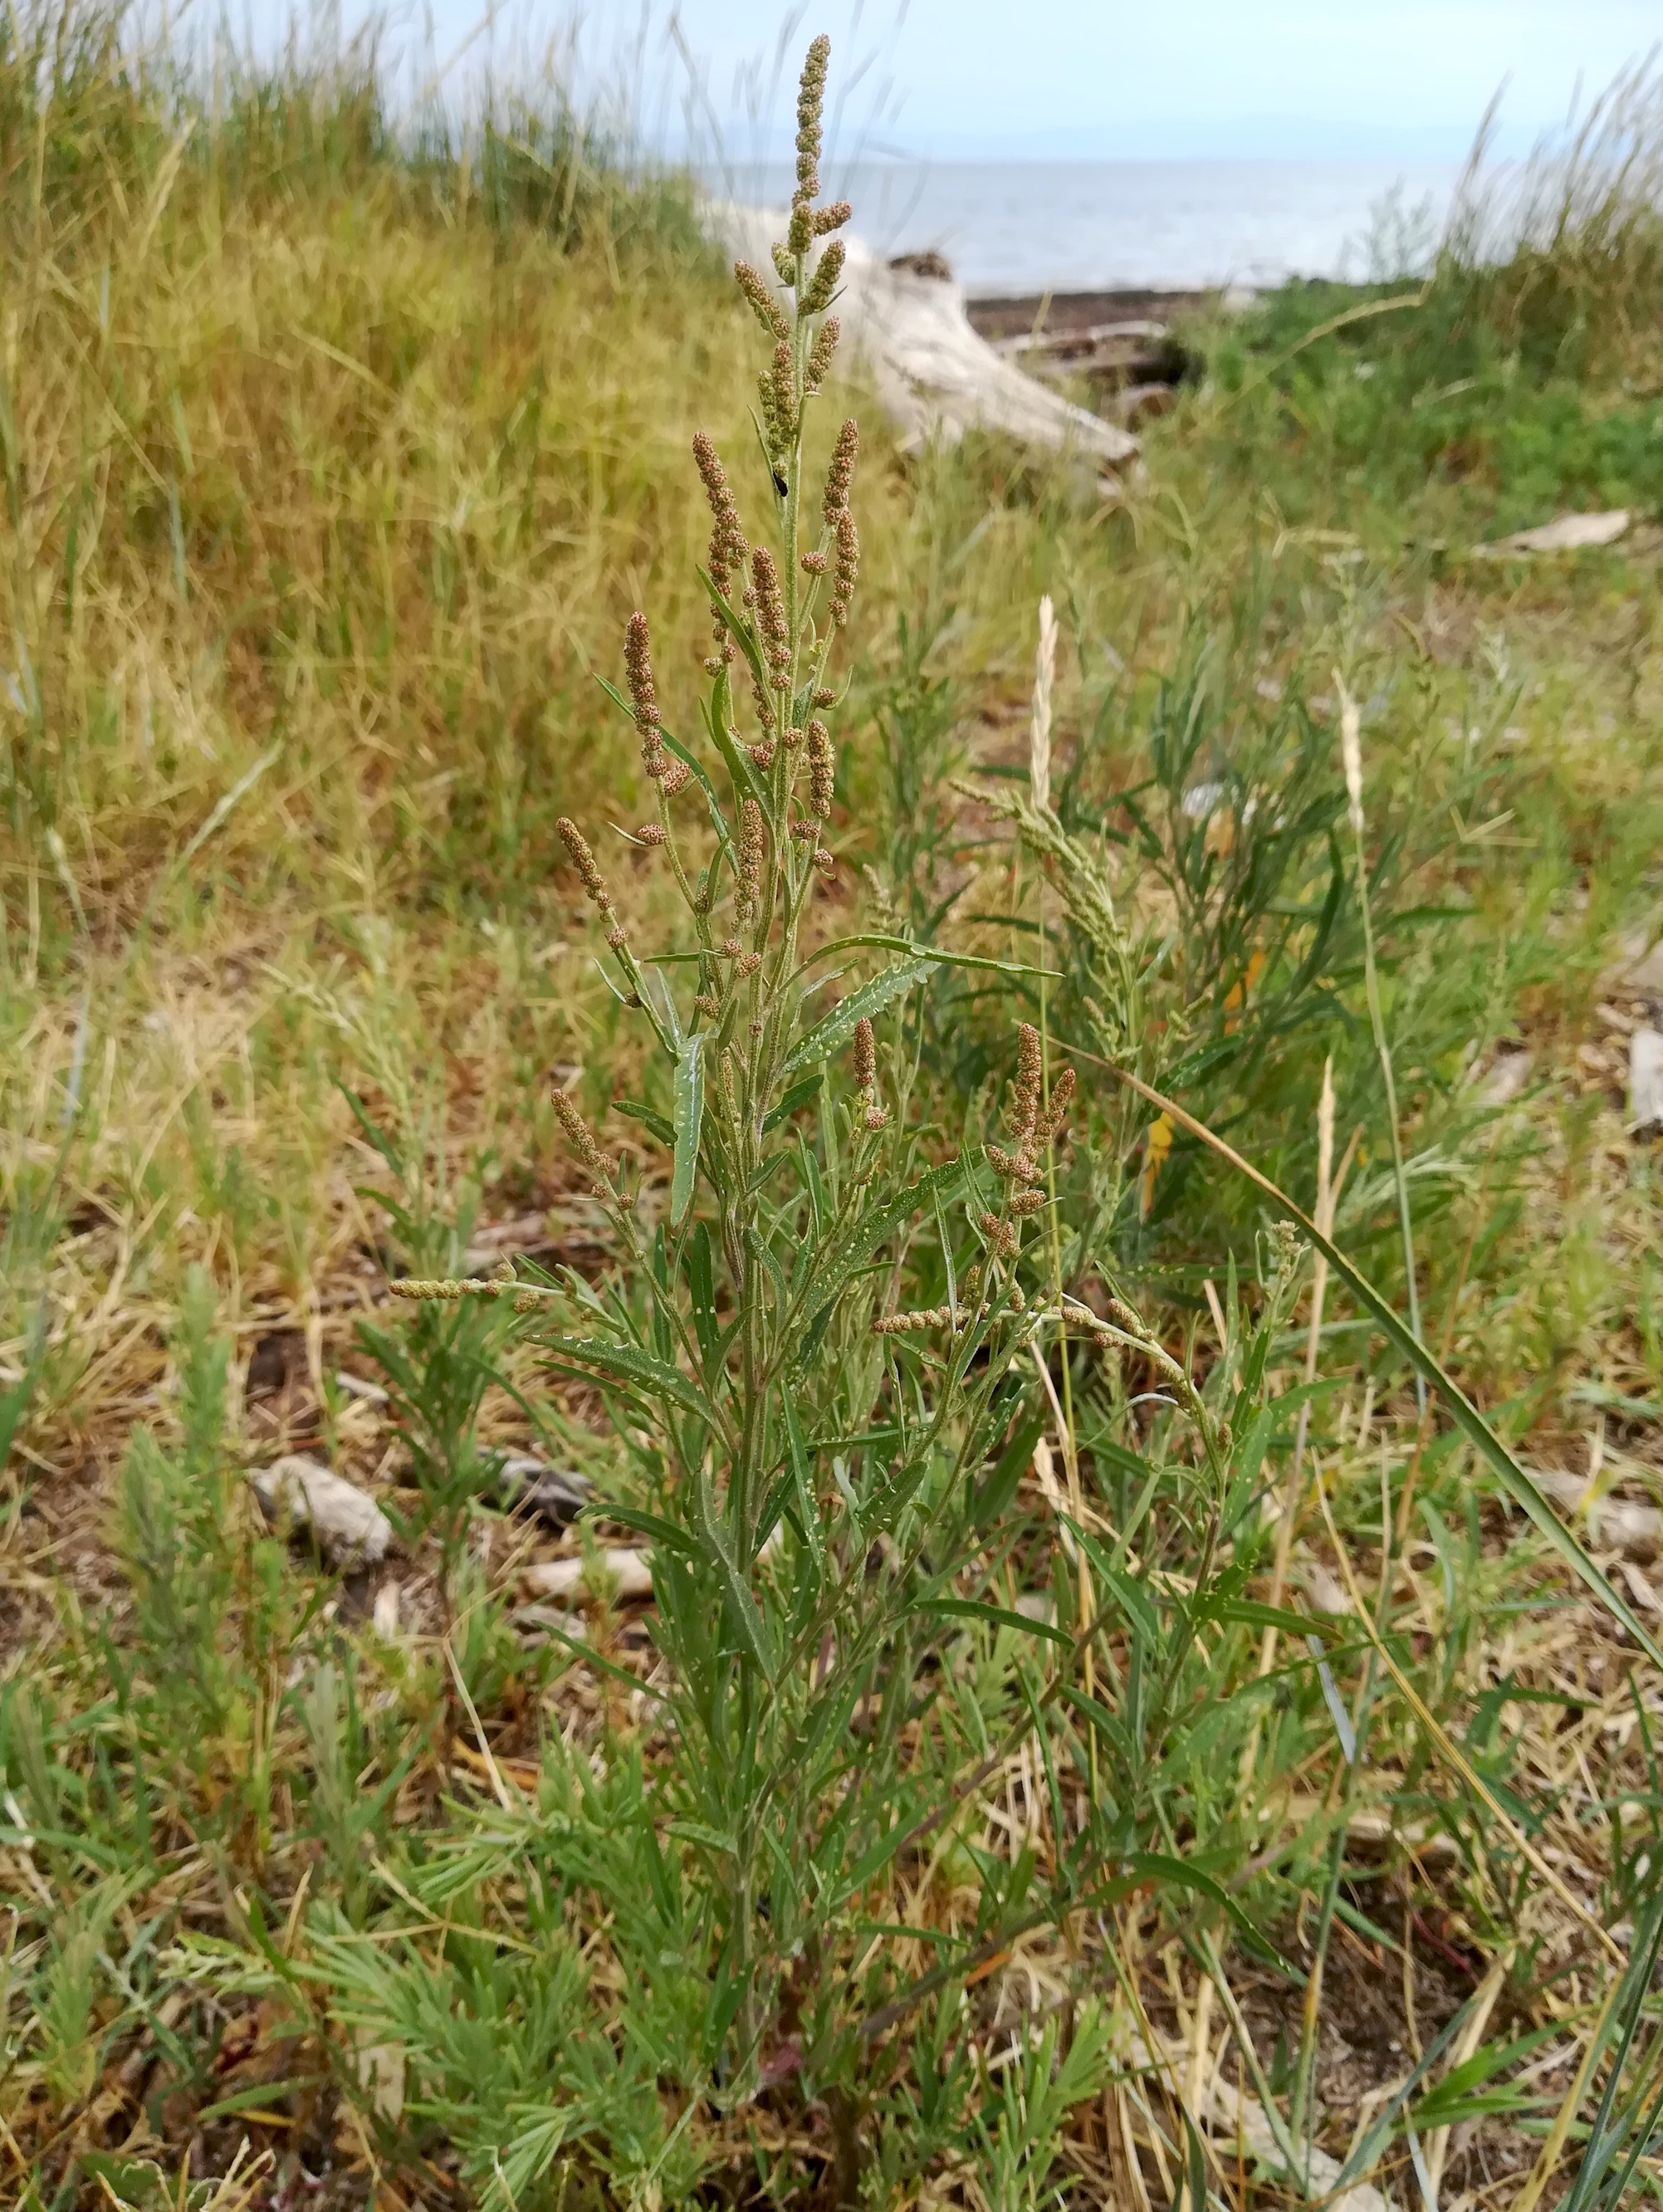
(935,376)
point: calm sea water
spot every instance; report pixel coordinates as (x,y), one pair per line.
(1082,226)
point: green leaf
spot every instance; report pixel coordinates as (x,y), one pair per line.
(831,1035)
(631,1368)
(701,1281)
(263,2095)
(1000,1487)
(799,1095)
(933,952)
(1133,1600)
(746,1618)
(748,783)
(1467,1418)
(694,1832)
(968,1608)
(1253,1615)
(828,1267)
(689,1113)
(650,1119)
(655,1526)
(738,630)
(802,1477)
(1166,1872)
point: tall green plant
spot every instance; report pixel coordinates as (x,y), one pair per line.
(819,1350)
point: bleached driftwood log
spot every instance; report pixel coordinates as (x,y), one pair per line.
(934,375)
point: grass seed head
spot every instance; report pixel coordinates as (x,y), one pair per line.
(782,393)
(728,548)
(810,107)
(820,768)
(1053,1122)
(1030,1076)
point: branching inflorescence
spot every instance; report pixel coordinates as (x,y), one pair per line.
(755,1321)
(777,611)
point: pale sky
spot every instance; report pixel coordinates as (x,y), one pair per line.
(1077,78)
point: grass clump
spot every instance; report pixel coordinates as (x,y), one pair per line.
(1097,1734)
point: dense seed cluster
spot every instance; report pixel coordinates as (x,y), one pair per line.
(759,296)
(810,106)
(643,699)
(922,1318)
(839,475)
(865,1074)
(1030,1128)
(840,522)
(818,365)
(752,850)
(864,1055)
(777,393)
(583,859)
(820,769)
(728,550)
(580,1138)
(817,292)
(770,614)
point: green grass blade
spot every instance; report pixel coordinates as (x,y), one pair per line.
(1466,1415)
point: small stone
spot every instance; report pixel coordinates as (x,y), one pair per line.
(1324,1590)
(559,1494)
(384,1618)
(1507,1077)
(1645,1082)
(350,1528)
(629,1573)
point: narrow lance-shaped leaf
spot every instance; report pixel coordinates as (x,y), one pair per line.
(829,1266)
(720,1551)
(832,1034)
(689,1111)
(631,1369)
